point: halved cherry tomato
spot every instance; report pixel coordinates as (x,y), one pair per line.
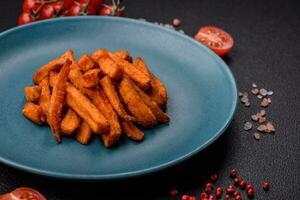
(31,5)
(46,12)
(216,39)
(25,18)
(23,193)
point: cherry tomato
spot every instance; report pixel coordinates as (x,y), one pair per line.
(216,39)
(97,4)
(58,6)
(23,193)
(25,18)
(112,10)
(106,11)
(67,4)
(46,12)
(75,10)
(31,5)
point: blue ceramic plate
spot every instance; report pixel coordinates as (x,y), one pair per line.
(201,89)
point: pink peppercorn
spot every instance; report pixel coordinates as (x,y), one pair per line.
(185,197)
(238,197)
(211,197)
(236,181)
(208,190)
(209,185)
(227,197)
(233,173)
(214,177)
(174,192)
(230,189)
(219,192)
(193,198)
(250,193)
(248,186)
(266,185)
(236,193)
(242,184)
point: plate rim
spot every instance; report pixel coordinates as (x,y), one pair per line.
(146,170)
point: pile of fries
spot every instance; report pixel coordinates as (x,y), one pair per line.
(102,94)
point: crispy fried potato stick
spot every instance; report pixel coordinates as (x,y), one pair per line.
(102,103)
(33,112)
(158,92)
(141,79)
(132,131)
(91,78)
(110,92)
(57,100)
(124,55)
(84,133)
(70,122)
(69,55)
(43,72)
(52,78)
(100,53)
(32,93)
(86,110)
(159,114)
(136,105)
(110,68)
(86,63)
(45,95)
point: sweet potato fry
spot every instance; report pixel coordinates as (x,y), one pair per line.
(33,112)
(141,65)
(100,53)
(132,131)
(124,55)
(70,122)
(136,105)
(52,78)
(32,93)
(84,133)
(110,92)
(141,79)
(45,95)
(57,100)
(86,63)
(91,78)
(158,92)
(159,114)
(69,55)
(43,72)
(110,68)
(102,103)
(86,110)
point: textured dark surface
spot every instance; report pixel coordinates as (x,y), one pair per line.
(266,52)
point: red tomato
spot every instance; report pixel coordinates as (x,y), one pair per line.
(216,39)
(25,18)
(75,10)
(47,12)
(112,10)
(31,5)
(58,6)
(67,4)
(106,11)
(97,4)
(23,193)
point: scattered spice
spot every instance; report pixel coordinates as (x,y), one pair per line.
(263,92)
(262,128)
(254,117)
(254,91)
(176,22)
(247,126)
(254,85)
(262,120)
(264,102)
(259,96)
(270,127)
(257,136)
